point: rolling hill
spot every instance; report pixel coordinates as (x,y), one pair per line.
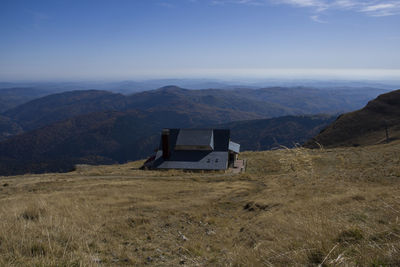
(364,127)
(57,107)
(217,106)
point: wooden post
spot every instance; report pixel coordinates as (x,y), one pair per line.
(386,131)
(387,134)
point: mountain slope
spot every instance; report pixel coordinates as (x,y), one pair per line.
(12,97)
(8,128)
(46,110)
(272,133)
(366,126)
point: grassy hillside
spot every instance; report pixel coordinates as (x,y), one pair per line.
(336,207)
(366,126)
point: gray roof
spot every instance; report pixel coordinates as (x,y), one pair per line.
(195,139)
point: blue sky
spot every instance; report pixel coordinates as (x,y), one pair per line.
(121,39)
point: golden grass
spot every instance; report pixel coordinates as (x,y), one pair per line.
(336,207)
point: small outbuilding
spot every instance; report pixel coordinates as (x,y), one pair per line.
(195,149)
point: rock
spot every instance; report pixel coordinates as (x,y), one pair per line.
(183,237)
(96,260)
(210,232)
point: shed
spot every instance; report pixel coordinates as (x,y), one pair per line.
(195,149)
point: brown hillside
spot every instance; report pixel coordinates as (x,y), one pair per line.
(298,207)
(364,127)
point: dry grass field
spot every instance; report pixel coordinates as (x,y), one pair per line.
(328,207)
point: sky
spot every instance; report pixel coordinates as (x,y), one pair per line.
(137,39)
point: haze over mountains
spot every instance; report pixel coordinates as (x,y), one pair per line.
(57,131)
(130,87)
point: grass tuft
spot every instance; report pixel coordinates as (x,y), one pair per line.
(315,258)
(350,236)
(32,213)
(37,250)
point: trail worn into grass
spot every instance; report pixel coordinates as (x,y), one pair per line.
(292,207)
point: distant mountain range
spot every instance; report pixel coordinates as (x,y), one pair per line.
(214,105)
(134,86)
(57,131)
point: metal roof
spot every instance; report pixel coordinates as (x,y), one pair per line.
(195,139)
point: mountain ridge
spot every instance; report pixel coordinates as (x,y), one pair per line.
(217,105)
